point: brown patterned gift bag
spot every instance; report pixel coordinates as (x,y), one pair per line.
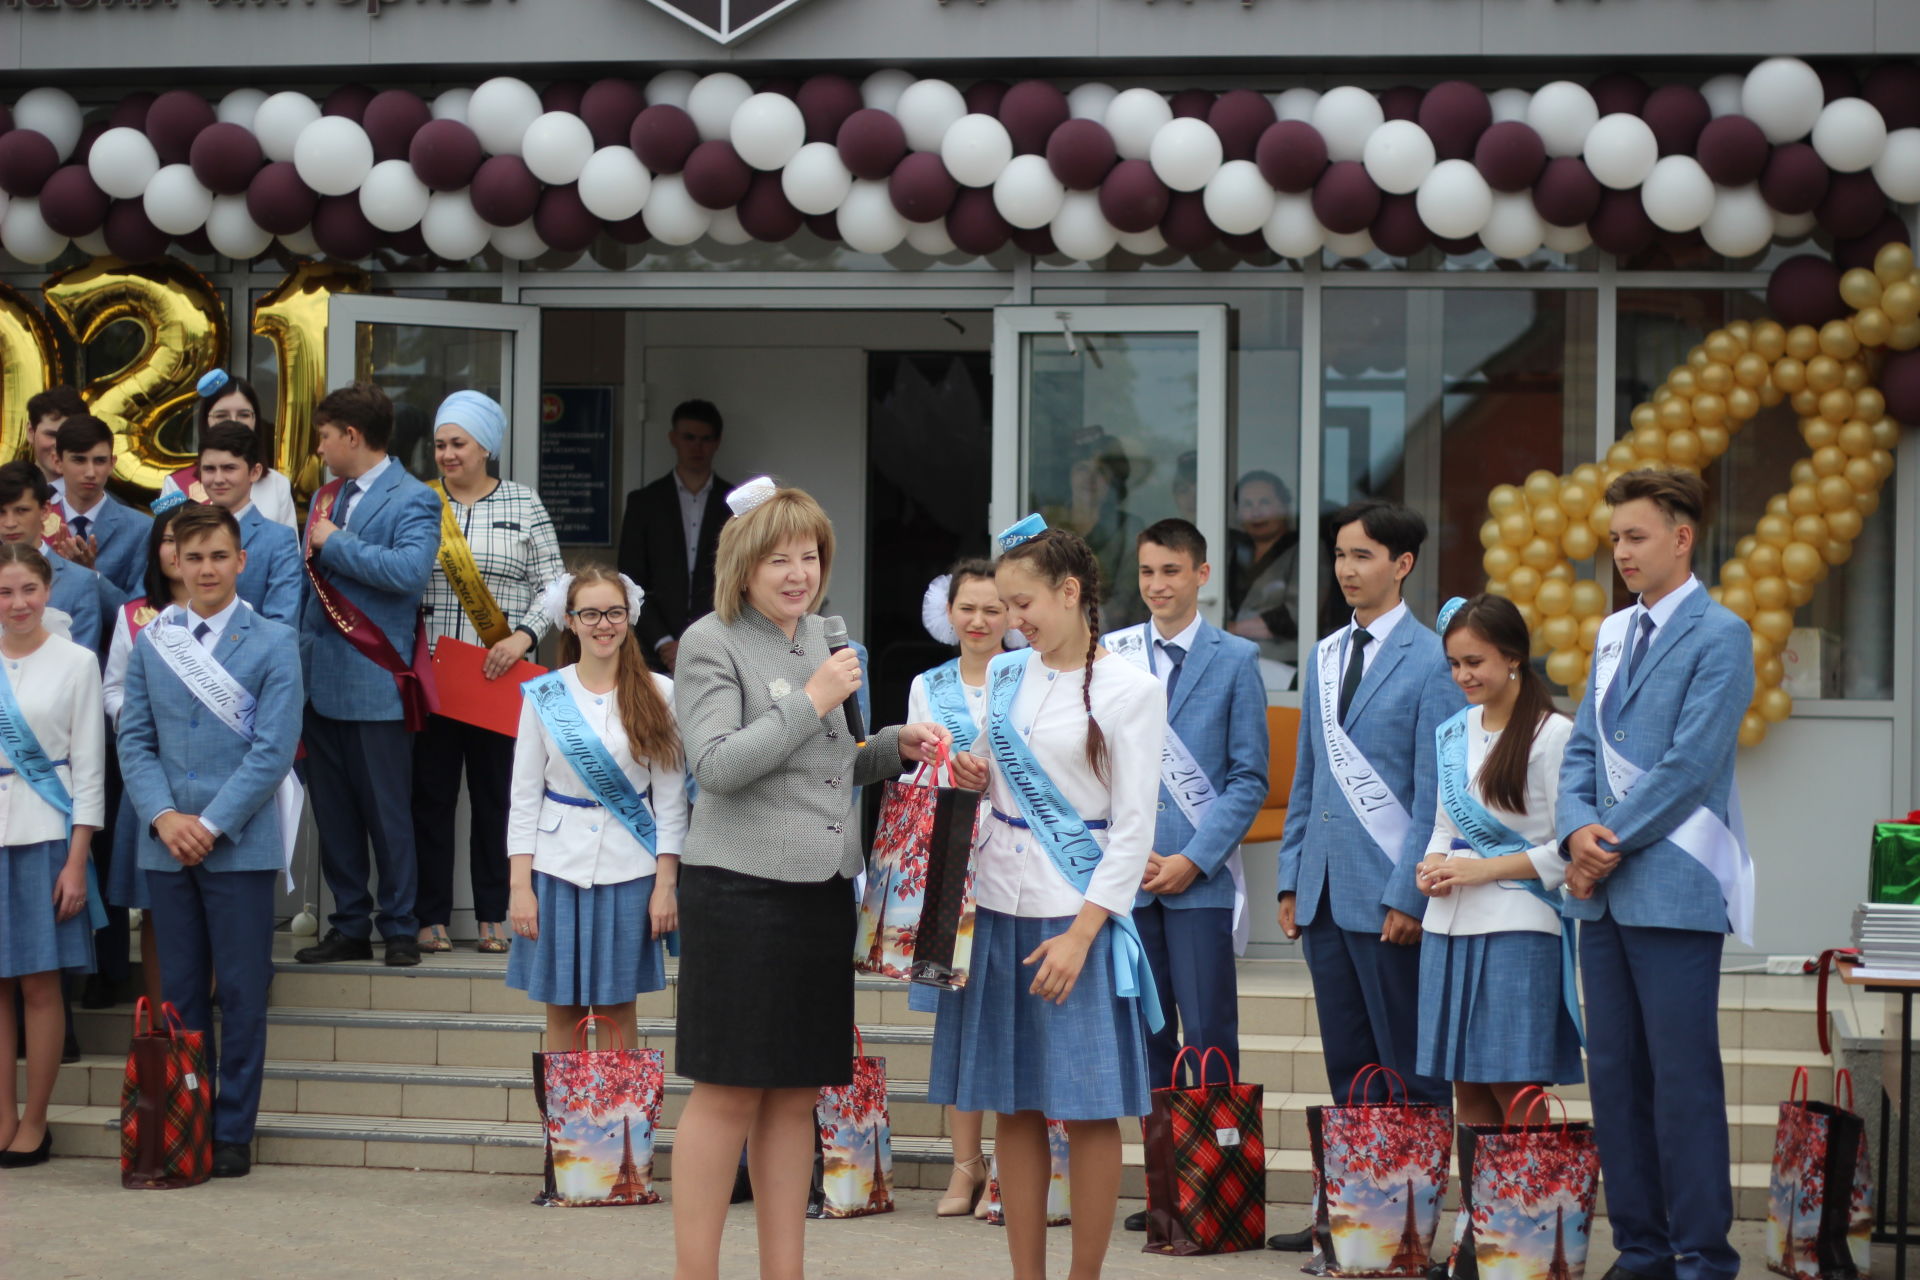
(1206,1165)
(916,915)
(166,1105)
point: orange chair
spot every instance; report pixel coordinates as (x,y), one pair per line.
(1283,733)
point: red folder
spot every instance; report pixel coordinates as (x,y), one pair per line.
(468,696)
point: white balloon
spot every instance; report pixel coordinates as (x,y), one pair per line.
(726,229)
(1090,101)
(1346,117)
(1133,117)
(1238,199)
(1080,230)
(1568,240)
(1296,104)
(452,229)
(672,216)
(1143,244)
(301,242)
(768,130)
(1621,150)
(280,120)
(240,107)
(1793,226)
(1784,97)
(713,100)
(393,198)
(451,105)
(1509,104)
(499,113)
(1561,113)
(233,231)
(867,219)
(1741,223)
(1186,153)
(931,238)
(556,146)
(1398,156)
(1850,135)
(519,243)
(1455,201)
(816,180)
(1678,195)
(52,112)
(175,201)
(1027,194)
(122,163)
(333,155)
(1898,168)
(614,184)
(1722,93)
(926,110)
(1515,228)
(671,89)
(1292,231)
(976,149)
(882,89)
(1351,247)
(26,235)
(94,244)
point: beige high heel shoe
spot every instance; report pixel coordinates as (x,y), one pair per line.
(959,1205)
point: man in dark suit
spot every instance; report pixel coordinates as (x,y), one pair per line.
(671,530)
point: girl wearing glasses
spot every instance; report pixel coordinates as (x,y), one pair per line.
(227,400)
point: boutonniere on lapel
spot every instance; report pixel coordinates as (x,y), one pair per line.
(779,689)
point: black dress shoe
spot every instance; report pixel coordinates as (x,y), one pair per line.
(231,1160)
(403,951)
(1292,1241)
(70,1051)
(27,1159)
(742,1187)
(97,993)
(334,948)
(1137,1221)
(1618,1272)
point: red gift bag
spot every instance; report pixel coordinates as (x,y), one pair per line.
(1206,1165)
(166,1105)
(600,1109)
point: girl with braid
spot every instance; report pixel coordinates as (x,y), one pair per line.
(1052,1022)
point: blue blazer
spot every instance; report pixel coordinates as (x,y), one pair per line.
(1220,712)
(86,597)
(1405,696)
(382,563)
(274,579)
(175,754)
(1679,720)
(122,535)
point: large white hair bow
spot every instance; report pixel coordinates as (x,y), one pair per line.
(553,601)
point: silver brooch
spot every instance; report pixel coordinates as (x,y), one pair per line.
(779,689)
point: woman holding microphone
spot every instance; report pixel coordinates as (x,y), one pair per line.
(766,894)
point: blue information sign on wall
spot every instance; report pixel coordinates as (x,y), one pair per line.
(576,463)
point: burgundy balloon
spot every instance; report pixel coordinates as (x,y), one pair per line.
(563,221)
(825,225)
(6,118)
(505,193)
(1248,244)
(921,188)
(871,142)
(563,95)
(1619,92)
(1510,156)
(278,201)
(1567,193)
(1037,241)
(1133,198)
(1795,179)
(1851,207)
(89,134)
(825,102)
(27,160)
(1031,111)
(1397,228)
(765,211)
(174,120)
(342,231)
(1455,114)
(1805,290)
(717,178)
(131,235)
(196,242)
(391,120)
(412,242)
(1457,248)
(1080,153)
(1345,199)
(1836,81)
(1402,102)
(1192,104)
(1894,90)
(1676,113)
(983,98)
(785,86)
(1732,150)
(1186,226)
(630,231)
(128,113)
(664,136)
(351,101)
(1620,224)
(609,107)
(1857,251)
(1292,155)
(225,157)
(975,224)
(444,154)
(1900,384)
(1240,117)
(72,203)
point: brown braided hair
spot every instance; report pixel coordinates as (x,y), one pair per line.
(1056,555)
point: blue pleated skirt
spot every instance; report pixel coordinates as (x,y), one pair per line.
(996,1047)
(1492,1011)
(596,945)
(31,941)
(126,882)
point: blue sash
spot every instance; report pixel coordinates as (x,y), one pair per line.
(592,763)
(29,760)
(1061,831)
(947,696)
(1492,838)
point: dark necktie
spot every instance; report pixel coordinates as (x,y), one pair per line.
(1177,655)
(80,525)
(1640,643)
(1623,679)
(200,633)
(1356,668)
(348,492)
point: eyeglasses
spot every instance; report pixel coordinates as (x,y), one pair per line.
(593,617)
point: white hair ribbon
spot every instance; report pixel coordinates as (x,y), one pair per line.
(751,494)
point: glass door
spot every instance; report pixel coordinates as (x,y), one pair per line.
(1104,421)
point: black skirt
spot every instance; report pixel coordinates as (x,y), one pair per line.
(766,981)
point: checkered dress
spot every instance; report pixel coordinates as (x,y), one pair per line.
(518,554)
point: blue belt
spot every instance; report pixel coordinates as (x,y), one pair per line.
(7,773)
(1099,824)
(575,801)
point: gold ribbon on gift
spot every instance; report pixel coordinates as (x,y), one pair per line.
(463,575)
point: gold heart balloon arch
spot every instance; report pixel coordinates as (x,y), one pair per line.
(1535,531)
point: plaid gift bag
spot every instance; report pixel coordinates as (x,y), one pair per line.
(916,916)
(1380,1176)
(853,1153)
(1206,1165)
(1527,1192)
(600,1109)
(1059,1184)
(166,1105)
(1819,1195)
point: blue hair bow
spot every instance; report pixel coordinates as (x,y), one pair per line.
(212,381)
(1025,531)
(1447,611)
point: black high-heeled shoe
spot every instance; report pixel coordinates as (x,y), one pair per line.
(27,1159)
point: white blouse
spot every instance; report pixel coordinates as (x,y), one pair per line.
(1506,905)
(57,687)
(113,682)
(1012,872)
(586,845)
(920,711)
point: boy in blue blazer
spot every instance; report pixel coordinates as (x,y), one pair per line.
(207,736)
(1659,874)
(87,599)
(273,578)
(372,537)
(103,533)
(1364,795)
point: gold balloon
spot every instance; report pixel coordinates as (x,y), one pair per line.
(1499,562)
(1769,340)
(1803,472)
(1790,375)
(1882,460)
(1681,381)
(1817,431)
(1722,347)
(1762,647)
(1828,460)
(1589,599)
(294,319)
(1650,445)
(1805,402)
(1775,624)
(1697,357)
(1803,342)
(1746,546)
(1490,534)
(1774,530)
(1798,593)
(1734,574)
(1863,475)
(1590,632)
(1770,395)
(1836,492)
(1580,542)
(1836,552)
(1576,498)
(1836,406)
(1869,403)
(1621,457)
(1860,288)
(1769,671)
(1854,374)
(1739,601)
(1505,498)
(1844,524)
(1542,487)
(1777,506)
(1541,553)
(1563,667)
(1751,369)
(1588,474)
(1714,440)
(1683,447)
(1776,705)
(1905,336)
(1867,503)
(1872,327)
(1802,500)
(1561,572)
(1717,378)
(1824,373)
(1674,413)
(1901,302)
(29,364)
(1801,562)
(1892,262)
(1561,633)
(1769,588)
(1644,415)
(1549,522)
(1516,528)
(1742,404)
(1855,439)
(1886,433)
(1554,599)
(1810,529)
(1529,615)
(1753,730)
(1709,408)
(185,335)
(1600,519)
(1741,332)
(1524,582)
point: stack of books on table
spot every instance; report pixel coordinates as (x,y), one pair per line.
(1888,935)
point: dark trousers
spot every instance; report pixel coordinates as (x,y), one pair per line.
(218,926)
(360,781)
(112,942)
(439,753)
(1191,952)
(1368,995)
(1659,1096)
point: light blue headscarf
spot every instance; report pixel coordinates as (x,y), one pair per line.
(480,416)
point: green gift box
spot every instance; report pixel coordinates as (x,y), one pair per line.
(1895,876)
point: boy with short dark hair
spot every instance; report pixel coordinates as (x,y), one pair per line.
(45,412)
(229,468)
(102,533)
(85,597)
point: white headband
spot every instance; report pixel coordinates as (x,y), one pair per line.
(751,494)
(553,601)
(933,611)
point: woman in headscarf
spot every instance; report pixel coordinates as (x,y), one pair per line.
(498,552)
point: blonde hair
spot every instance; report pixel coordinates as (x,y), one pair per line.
(789,515)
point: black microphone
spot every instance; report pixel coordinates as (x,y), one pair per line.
(836,641)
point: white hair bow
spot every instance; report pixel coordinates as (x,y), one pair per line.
(553,601)
(751,494)
(933,611)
